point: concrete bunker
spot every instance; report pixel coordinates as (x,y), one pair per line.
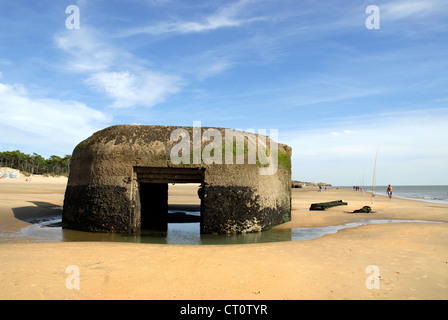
(119,179)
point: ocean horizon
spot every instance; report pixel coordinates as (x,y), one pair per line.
(426,193)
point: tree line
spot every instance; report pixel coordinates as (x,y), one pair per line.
(35,163)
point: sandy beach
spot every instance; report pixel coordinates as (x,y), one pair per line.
(411,258)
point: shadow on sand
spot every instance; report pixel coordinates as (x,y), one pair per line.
(39,212)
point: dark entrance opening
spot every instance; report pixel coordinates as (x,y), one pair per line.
(153,189)
(154,206)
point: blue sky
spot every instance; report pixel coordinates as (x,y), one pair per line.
(334,89)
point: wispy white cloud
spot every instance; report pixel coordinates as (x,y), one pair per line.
(84,50)
(135,89)
(225,17)
(113,72)
(52,124)
(412,8)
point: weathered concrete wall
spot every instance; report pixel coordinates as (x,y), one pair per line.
(103,189)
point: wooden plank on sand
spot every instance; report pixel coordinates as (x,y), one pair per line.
(326,205)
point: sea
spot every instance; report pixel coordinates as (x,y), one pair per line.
(434,194)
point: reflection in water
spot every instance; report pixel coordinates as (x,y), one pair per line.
(50,230)
(180,233)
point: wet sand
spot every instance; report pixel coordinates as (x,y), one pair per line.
(412,258)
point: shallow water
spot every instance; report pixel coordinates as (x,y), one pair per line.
(310,233)
(50,230)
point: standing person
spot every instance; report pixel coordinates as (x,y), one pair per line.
(389,192)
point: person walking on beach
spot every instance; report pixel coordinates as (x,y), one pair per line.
(389,192)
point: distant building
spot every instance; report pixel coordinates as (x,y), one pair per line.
(9,173)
